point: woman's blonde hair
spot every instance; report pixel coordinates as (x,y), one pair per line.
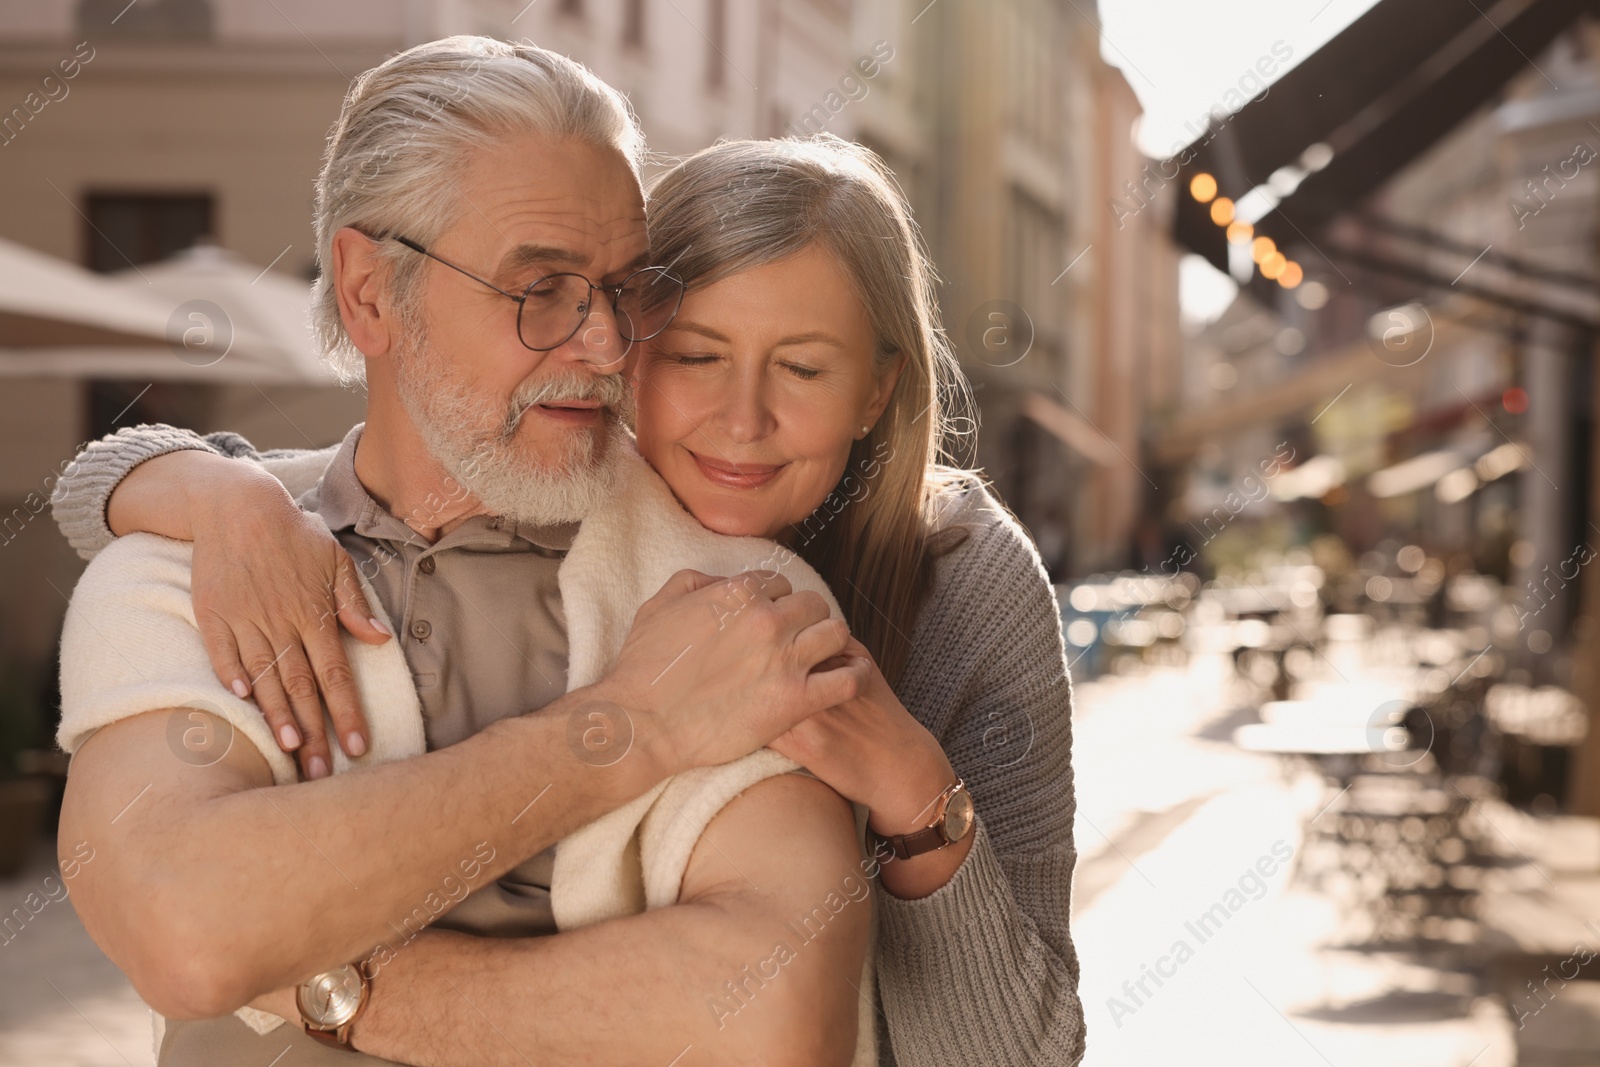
(743,204)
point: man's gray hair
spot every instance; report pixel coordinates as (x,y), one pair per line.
(403,136)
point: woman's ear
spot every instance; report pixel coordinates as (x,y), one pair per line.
(883,390)
(359,284)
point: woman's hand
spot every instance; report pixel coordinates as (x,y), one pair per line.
(873,751)
(270,586)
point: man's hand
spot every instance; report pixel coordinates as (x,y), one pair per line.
(715,668)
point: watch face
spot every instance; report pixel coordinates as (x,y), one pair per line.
(333,997)
(958,816)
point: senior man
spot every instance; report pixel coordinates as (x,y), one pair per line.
(213,888)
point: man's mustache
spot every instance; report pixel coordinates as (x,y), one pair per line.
(609,391)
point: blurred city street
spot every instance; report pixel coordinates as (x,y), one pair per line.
(1182,808)
(1263,988)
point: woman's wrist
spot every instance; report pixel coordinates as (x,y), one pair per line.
(905,802)
(908,803)
(176,493)
(218,491)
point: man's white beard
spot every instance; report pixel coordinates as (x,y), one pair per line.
(474,439)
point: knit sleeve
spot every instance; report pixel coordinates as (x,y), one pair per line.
(983,971)
(79,499)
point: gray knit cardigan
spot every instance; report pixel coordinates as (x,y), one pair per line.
(983,971)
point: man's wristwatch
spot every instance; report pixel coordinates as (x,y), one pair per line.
(331,1002)
(952,821)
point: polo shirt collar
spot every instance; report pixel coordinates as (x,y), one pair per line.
(343,503)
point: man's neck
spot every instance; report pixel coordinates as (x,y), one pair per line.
(399,472)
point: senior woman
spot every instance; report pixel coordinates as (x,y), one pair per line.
(800,395)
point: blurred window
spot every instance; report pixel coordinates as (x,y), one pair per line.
(125,230)
(633,23)
(908,174)
(155,19)
(1035,41)
(716,43)
(1038,254)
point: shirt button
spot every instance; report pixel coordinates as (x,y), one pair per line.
(426,565)
(420,629)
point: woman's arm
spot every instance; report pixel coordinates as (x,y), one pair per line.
(976,962)
(983,969)
(82,496)
(875,753)
(266,636)
(79,499)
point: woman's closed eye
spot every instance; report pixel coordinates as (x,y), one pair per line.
(706,359)
(691,359)
(800,370)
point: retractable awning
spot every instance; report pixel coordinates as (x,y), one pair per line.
(1360,108)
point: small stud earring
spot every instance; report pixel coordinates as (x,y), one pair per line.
(865,430)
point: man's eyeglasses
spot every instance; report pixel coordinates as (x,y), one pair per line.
(551,310)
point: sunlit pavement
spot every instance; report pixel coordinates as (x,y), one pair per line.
(62,1003)
(1175,823)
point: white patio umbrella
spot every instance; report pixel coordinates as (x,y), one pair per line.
(55,315)
(205,315)
(220,302)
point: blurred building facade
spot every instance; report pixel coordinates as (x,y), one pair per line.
(1060,279)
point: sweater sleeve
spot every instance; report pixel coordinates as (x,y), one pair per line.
(983,971)
(79,499)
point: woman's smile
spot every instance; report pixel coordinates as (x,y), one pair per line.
(719,471)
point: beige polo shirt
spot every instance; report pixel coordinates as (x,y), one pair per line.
(478,615)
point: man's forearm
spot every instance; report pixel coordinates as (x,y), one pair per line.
(643,989)
(759,962)
(303,877)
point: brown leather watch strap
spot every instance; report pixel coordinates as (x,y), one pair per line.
(905,846)
(331,1038)
(930,838)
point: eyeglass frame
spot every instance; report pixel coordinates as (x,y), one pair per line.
(615,292)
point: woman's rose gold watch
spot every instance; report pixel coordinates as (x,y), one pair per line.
(952,821)
(331,1002)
